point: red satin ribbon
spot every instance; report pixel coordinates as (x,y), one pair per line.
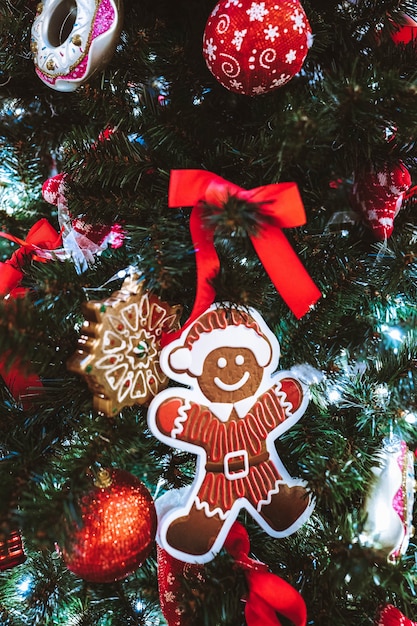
(280,202)
(268,594)
(42,236)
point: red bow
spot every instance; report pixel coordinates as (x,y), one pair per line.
(42,236)
(268,594)
(280,202)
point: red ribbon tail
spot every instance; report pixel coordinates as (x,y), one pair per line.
(22,384)
(268,594)
(286,271)
(207,262)
(410,193)
(275,595)
(10,277)
(258,613)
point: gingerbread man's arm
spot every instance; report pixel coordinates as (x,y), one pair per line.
(293,391)
(167,413)
(177,417)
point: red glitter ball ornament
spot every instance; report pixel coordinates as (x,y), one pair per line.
(119,526)
(255,47)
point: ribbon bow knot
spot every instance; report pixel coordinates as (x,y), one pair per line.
(274,199)
(281,202)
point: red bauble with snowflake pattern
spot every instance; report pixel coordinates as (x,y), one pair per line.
(378,194)
(118,529)
(391,616)
(252,47)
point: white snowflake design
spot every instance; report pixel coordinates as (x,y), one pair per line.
(210,49)
(372,214)
(298,19)
(386,221)
(231,3)
(259,90)
(278,82)
(257,12)
(235,84)
(291,56)
(169,596)
(238,38)
(271,32)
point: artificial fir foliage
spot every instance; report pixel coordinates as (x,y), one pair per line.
(153,109)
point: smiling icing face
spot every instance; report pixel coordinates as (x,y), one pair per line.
(230,375)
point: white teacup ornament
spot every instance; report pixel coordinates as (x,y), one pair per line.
(74,39)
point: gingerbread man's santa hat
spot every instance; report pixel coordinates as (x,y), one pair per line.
(221,326)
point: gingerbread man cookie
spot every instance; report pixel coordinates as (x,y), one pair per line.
(234,408)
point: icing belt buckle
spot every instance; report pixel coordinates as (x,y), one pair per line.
(236,464)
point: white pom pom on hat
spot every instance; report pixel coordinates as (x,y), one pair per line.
(180,360)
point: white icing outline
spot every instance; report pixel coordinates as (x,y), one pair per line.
(182,417)
(229,456)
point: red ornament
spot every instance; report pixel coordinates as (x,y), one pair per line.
(11,551)
(388,506)
(405,32)
(81,240)
(378,195)
(171,573)
(119,526)
(255,47)
(390,616)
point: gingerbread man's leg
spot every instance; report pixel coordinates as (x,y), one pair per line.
(194,533)
(288,508)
